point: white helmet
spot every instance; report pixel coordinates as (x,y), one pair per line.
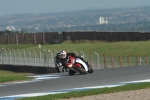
(63,54)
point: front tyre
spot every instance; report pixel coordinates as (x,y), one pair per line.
(71,72)
(81,70)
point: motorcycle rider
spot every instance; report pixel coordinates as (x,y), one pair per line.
(57,60)
(65,57)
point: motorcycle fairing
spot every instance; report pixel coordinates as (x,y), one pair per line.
(83,63)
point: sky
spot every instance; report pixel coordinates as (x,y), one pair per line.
(9,7)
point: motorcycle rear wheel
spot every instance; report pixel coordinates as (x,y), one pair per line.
(90,70)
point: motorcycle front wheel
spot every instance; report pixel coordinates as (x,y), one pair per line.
(81,70)
(71,72)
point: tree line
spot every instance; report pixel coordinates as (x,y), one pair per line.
(127,27)
(11,32)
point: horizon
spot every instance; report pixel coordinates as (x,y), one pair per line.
(12,7)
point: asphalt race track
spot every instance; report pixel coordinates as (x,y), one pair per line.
(61,81)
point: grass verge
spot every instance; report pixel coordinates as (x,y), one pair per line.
(108,48)
(91,92)
(8,76)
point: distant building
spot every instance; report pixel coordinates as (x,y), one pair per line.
(103,20)
(10,28)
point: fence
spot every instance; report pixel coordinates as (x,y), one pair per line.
(45,58)
(56,37)
(107,36)
(31,38)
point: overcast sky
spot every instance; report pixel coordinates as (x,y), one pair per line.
(8,7)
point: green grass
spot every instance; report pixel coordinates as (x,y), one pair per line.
(108,48)
(8,76)
(91,92)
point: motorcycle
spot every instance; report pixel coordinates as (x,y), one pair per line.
(78,65)
(74,65)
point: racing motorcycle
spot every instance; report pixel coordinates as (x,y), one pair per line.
(78,65)
(74,65)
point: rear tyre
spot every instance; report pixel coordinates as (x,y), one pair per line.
(90,70)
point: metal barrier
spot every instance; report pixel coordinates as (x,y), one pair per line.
(45,58)
(27,57)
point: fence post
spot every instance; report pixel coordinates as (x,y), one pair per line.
(34,64)
(10,57)
(24,56)
(29,54)
(128,60)
(34,36)
(104,61)
(97,60)
(45,58)
(76,52)
(39,57)
(112,61)
(5,62)
(82,53)
(56,51)
(138,58)
(16,38)
(20,60)
(51,53)
(120,58)
(90,59)
(14,56)
(146,59)
(43,38)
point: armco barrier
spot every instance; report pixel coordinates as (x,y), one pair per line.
(28,69)
(43,59)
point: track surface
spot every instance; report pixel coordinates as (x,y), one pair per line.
(98,78)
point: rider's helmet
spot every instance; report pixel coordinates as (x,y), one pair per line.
(63,54)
